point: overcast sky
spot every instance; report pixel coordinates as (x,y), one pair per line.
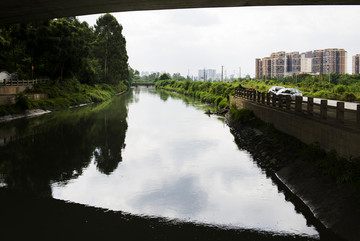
(188,40)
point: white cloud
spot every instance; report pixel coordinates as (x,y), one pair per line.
(178,40)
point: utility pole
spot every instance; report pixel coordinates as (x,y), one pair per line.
(285,66)
(222,72)
(239,72)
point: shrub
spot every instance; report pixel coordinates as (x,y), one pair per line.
(22,101)
(340,89)
(223,103)
(218,100)
(241,115)
(348,97)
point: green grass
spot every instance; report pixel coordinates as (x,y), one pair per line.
(209,92)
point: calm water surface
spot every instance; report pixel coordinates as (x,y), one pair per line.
(148,153)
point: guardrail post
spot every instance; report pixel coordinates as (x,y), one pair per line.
(323,109)
(263,97)
(358,114)
(273,98)
(281,100)
(268,98)
(310,105)
(258,96)
(254,95)
(298,104)
(340,108)
(288,102)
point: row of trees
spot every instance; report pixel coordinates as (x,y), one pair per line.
(65,48)
(153,77)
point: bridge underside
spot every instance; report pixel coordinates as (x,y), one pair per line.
(15,11)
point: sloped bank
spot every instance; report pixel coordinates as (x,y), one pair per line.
(298,168)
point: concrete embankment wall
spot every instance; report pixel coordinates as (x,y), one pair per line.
(10,99)
(308,130)
(12,90)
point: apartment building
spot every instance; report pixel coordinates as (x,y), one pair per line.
(258,68)
(356,64)
(282,64)
(306,62)
(293,63)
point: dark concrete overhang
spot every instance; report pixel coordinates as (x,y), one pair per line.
(15,11)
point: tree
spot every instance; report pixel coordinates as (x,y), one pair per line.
(164,76)
(134,75)
(177,76)
(110,49)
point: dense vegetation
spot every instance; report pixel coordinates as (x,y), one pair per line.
(65,48)
(63,94)
(210,92)
(336,86)
(82,64)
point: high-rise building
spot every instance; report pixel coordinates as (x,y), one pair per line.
(278,64)
(356,64)
(306,62)
(334,61)
(281,64)
(293,63)
(258,68)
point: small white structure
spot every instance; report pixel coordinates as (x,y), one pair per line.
(4,76)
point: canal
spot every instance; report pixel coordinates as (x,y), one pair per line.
(147,161)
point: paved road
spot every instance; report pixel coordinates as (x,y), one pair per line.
(348,105)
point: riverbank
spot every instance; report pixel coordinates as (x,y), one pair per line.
(67,94)
(329,197)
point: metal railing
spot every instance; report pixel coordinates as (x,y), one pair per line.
(297,105)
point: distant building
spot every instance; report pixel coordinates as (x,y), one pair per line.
(293,63)
(306,62)
(282,64)
(207,74)
(356,64)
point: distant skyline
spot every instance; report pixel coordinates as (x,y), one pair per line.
(184,41)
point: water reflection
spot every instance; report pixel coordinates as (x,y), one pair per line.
(57,147)
(176,163)
(181,198)
(177,167)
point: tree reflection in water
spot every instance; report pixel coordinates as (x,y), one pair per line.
(57,147)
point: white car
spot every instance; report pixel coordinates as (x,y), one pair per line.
(274,89)
(289,91)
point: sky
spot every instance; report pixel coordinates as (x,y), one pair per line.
(184,41)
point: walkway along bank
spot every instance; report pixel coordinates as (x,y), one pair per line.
(334,128)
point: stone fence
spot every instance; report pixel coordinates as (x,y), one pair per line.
(297,105)
(21,82)
(332,127)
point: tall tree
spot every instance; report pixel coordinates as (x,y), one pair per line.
(110,49)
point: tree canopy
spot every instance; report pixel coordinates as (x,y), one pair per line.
(65,48)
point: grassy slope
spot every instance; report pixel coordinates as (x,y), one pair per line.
(62,95)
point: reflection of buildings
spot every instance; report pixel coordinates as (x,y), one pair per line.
(207,74)
(282,64)
(356,64)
